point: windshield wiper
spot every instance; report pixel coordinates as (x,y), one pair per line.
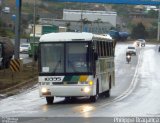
(58,63)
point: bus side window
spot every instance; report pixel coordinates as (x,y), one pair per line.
(104,48)
(107,47)
(110,49)
(98,49)
(101,46)
(95,56)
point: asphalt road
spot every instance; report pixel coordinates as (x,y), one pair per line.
(25,58)
(135,95)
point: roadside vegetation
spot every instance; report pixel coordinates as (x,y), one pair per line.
(11,81)
(46,7)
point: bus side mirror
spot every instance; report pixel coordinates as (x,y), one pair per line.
(95,56)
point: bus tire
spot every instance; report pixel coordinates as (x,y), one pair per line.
(95,97)
(107,93)
(49,100)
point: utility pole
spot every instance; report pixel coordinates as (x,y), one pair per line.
(17,29)
(34,27)
(81,18)
(158,31)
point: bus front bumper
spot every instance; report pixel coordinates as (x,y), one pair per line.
(64,91)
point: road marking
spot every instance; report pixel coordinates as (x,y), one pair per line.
(127,92)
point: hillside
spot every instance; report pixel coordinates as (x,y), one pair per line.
(46,9)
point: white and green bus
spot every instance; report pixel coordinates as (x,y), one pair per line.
(74,64)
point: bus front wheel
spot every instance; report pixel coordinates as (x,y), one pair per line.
(49,100)
(95,97)
(107,93)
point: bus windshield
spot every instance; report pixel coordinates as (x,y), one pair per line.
(65,57)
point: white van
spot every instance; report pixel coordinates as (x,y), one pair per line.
(6,9)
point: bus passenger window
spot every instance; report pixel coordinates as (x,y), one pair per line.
(108,49)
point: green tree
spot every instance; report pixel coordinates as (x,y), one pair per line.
(139,31)
(2,31)
(152,14)
(152,31)
(121,11)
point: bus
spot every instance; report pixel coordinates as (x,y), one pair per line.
(75,64)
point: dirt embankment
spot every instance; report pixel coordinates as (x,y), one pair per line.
(12,82)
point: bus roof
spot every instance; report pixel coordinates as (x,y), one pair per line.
(70,36)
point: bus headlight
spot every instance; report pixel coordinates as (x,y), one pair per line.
(44,90)
(87,89)
(135,43)
(90,82)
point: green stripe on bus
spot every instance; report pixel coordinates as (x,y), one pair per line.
(71,78)
(75,78)
(67,78)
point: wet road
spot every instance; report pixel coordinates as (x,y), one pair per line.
(145,99)
(136,94)
(25,58)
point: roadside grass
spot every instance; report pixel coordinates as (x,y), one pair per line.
(13,80)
